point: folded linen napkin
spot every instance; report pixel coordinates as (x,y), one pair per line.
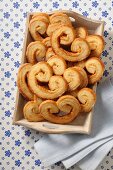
(53,148)
(72,160)
(91,161)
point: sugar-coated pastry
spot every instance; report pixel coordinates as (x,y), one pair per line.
(81,63)
(40,15)
(96,43)
(81,49)
(52,27)
(87,98)
(59,17)
(42,72)
(36,51)
(95,68)
(73,78)
(70,105)
(47,42)
(22,81)
(31,112)
(37,99)
(37,27)
(79,46)
(64,33)
(58,64)
(84,77)
(81,32)
(63,39)
(49,53)
(74,92)
(67,104)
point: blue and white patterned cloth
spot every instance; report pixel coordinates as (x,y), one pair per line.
(16,142)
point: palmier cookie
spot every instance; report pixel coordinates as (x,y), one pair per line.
(49,53)
(42,72)
(73,78)
(81,32)
(70,105)
(79,47)
(58,64)
(38,26)
(36,51)
(87,98)
(95,68)
(96,43)
(31,111)
(22,81)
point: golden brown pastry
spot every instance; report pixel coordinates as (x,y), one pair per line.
(49,53)
(41,15)
(47,42)
(81,63)
(59,17)
(74,92)
(31,112)
(68,104)
(73,78)
(36,51)
(52,27)
(48,110)
(84,77)
(38,27)
(87,98)
(64,40)
(22,81)
(79,46)
(37,99)
(58,64)
(65,34)
(95,68)
(42,72)
(81,32)
(81,49)
(96,43)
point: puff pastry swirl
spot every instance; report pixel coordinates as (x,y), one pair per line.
(41,15)
(96,43)
(49,53)
(31,111)
(38,26)
(47,42)
(87,98)
(49,109)
(84,77)
(73,78)
(95,68)
(42,72)
(36,51)
(58,65)
(22,83)
(81,32)
(60,17)
(79,47)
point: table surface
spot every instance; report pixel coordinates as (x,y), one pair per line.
(16,142)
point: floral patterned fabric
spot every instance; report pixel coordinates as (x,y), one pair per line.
(16,142)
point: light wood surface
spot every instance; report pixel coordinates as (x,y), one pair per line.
(83,122)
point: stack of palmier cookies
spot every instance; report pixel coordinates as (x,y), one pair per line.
(63,64)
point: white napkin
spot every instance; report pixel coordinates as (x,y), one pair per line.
(70,161)
(53,148)
(92,160)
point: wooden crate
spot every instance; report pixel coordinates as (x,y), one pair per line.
(82,124)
